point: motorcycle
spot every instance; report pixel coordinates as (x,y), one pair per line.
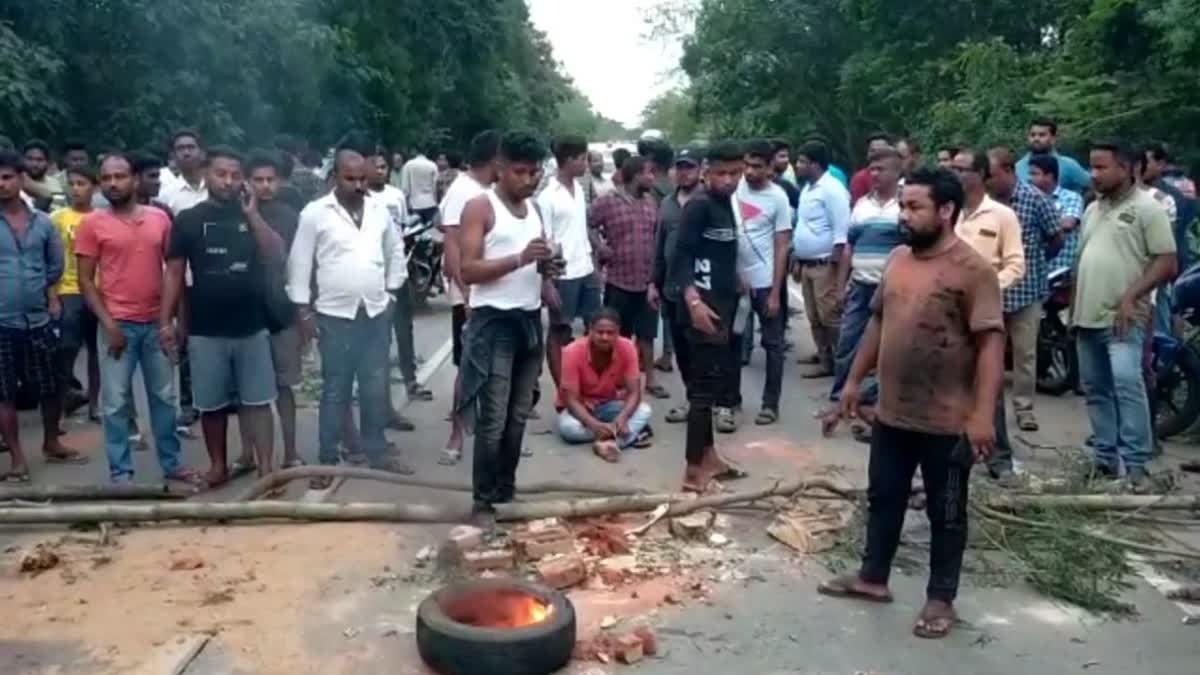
(1176,363)
(1057,360)
(423,247)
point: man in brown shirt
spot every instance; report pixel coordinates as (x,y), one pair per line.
(937,339)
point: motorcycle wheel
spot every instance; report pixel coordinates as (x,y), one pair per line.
(1178,394)
(1058,365)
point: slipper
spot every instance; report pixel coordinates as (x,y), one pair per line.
(320,483)
(731,473)
(658,391)
(394,465)
(450,457)
(68,457)
(240,468)
(190,477)
(935,627)
(724,421)
(839,587)
(643,439)
(766,416)
(18,477)
(677,414)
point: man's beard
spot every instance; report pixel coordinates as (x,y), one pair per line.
(119,200)
(920,241)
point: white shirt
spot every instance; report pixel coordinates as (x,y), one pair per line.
(462,190)
(356,265)
(179,195)
(418,180)
(565,215)
(824,218)
(397,207)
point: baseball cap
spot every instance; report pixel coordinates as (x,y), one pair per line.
(689,154)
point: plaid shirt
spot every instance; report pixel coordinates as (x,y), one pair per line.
(1038,226)
(627,224)
(1068,204)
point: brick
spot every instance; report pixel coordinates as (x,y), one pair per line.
(544,543)
(479,561)
(465,538)
(614,570)
(648,638)
(629,649)
(692,526)
(563,572)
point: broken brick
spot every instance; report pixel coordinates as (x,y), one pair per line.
(629,649)
(648,638)
(614,570)
(544,543)
(692,526)
(563,572)
(604,540)
(465,538)
(479,561)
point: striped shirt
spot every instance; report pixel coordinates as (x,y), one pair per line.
(874,232)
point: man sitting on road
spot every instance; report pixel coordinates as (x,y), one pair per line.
(599,398)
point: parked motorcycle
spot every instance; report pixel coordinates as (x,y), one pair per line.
(1057,360)
(423,246)
(1177,363)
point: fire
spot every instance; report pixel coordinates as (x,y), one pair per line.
(500,609)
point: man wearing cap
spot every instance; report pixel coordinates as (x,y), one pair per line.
(670,212)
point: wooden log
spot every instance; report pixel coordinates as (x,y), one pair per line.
(230,511)
(279,478)
(1095,502)
(70,493)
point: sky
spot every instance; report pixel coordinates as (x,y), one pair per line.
(600,45)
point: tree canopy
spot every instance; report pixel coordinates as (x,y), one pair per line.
(127,72)
(943,72)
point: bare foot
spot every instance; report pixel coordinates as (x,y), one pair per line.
(607,450)
(57,453)
(935,621)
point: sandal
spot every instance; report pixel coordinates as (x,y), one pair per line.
(320,483)
(66,457)
(677,414)
(934,626)
(394,465)
(189,476)
(643,439)
(724,420)
(658,391)
(18,477)
(731,473)
(450,457)
(766,416)
(845,587)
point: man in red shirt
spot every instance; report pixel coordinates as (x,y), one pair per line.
(860,182)
(599,399)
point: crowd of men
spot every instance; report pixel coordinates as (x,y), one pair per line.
(915,281)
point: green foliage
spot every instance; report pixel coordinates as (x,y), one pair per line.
(673,113)
(126,72)
(961,71)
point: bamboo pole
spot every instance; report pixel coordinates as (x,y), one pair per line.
(1096,502)
(67,493)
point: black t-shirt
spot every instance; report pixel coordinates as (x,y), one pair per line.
(226,298)
(282,218)
(706,254)
(793,193)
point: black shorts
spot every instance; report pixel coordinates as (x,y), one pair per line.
(637,319)
(458,321)
(27,362)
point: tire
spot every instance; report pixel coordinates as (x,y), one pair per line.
(453,648)
(1058,363)
(1178,394)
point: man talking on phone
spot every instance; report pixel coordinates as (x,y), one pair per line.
(227,243)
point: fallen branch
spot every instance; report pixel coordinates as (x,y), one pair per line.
(69,493)
(278,479)
(1099,536)
(1095,502)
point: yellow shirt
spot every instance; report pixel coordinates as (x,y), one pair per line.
(67,221)
(995,233)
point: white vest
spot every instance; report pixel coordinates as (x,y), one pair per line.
(521,288)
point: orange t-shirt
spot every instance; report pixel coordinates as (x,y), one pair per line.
(129,256)
(578,375)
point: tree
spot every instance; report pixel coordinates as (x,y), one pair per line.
(672,112)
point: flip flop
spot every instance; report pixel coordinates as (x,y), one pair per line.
(190,477)
(320,483)
(677,414)
(731,473)
(658,391)
(643,439)
(70,457)
(18,477)
(933,628)
(766,416)
(839,587)
(240,468)
(450,457)
(394,465)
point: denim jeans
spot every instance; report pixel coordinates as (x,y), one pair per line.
(945,463)
(1110,370)
(573,431)
(402,325)
(142,348)
(353,348)
(503,404)
(855,316)
(772,343)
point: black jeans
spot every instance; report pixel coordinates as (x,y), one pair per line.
(945,463)
(677,328)
(710,383)
(772,344)
(402,326)
(501,400)
(1001,459)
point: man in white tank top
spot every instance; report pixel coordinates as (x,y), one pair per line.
(508,264)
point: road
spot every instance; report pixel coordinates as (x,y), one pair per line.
(771,622)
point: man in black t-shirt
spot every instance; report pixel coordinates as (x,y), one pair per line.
(705,268)
(226,242)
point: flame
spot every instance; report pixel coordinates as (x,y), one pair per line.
(501,610)
(538,612)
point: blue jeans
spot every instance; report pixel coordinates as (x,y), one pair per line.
(1163,309)
(1111,373)
(353,348)
(855,317)
(573,431)
(142,348)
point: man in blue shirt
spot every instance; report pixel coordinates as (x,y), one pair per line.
(31,262)
(1043,135)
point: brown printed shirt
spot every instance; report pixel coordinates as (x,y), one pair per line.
(930,307)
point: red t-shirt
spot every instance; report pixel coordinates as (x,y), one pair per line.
(129,260)
(578,374)
(860,185)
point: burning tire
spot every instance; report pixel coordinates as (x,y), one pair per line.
(495,627)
